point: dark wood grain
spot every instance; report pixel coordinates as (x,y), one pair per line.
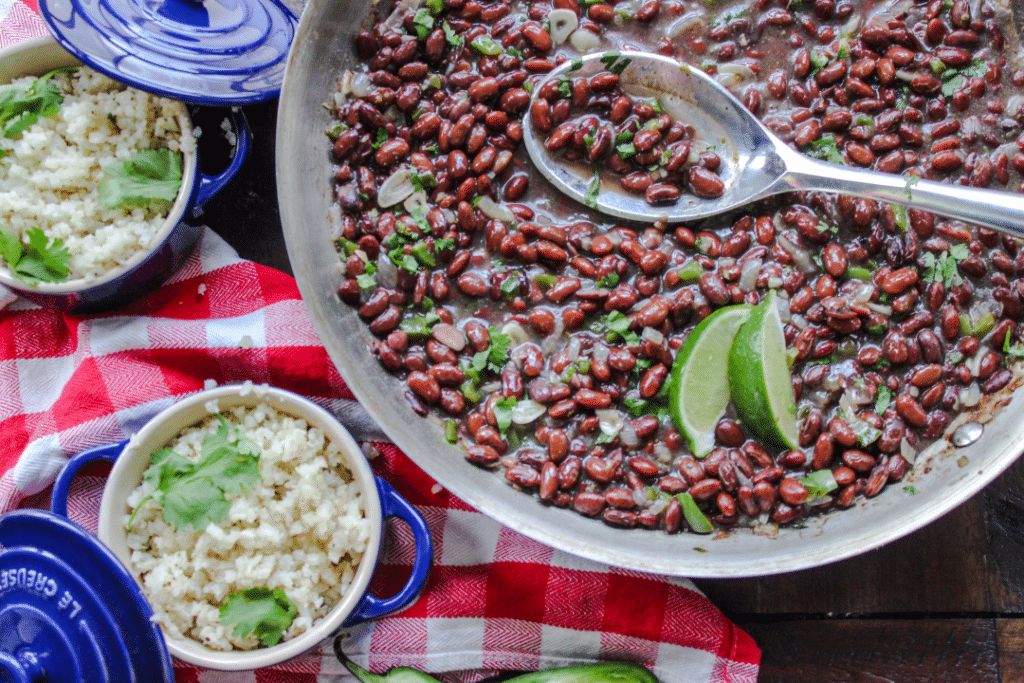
(245,213)
(943,604)
(876,650)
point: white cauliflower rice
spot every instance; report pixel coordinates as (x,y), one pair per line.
(49,177)
(300,529)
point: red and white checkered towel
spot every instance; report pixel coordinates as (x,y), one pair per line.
(495,600)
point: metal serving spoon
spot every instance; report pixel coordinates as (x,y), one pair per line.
(755,163)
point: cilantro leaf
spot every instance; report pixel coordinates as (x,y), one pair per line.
(149,174)
(263,612)
(191,492)
(590,199)
(21,106)
(423,23)
(503,412)
(40,261)
(453,38)
(495,356)
(882,399)
(825,148)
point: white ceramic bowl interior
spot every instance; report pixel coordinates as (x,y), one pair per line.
(37,57)
(127,473)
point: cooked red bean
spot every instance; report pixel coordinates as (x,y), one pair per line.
(584,315)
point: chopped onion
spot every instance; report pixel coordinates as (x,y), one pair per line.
(883,309)
(783,306)
(652,335)
(516,332)
(662,452)
(494,210)
(563,22)
(628,436)
(397,187)
(386,274)
(907,451)
(526,411)
(572,351)
(1015,105)
(584,41)
(417,200)
(863,292)
(970,396)
(359,84)
(610,421)
(748,274)
(614,237)
(550,342)
(600,352)
(801,259)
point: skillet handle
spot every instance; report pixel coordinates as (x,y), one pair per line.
(61,487)
(394,505)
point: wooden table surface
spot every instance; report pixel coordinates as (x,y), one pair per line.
(944,604)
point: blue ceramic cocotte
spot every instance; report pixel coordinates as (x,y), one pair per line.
(70,610)
(146,270)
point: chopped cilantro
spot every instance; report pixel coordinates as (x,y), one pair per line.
(40,261)
(910,490)
(191,492)
(435,6)
(453,38)
(485,45)
(612,62)
(944,268)
(148,175)
(576,65)
(609,280)
(882,399)
(263,612)
(545,280)
(510,287)
(911,181)
(418,327)
(590,199)
(21,106)
(423,22)
(825,148)
(503,412)
(495,356)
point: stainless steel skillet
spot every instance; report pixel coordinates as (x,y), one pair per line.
(323,48)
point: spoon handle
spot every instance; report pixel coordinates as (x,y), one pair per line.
(1000,211)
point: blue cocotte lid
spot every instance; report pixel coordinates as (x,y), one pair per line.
(69,610)
(213,52)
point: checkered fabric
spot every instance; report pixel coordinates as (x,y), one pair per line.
(495,600)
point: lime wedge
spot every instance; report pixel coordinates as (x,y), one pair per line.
(699,387)
(759,378)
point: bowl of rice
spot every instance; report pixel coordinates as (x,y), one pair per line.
(252,522)
(100,182)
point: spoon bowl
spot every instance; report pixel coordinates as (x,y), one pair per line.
(755,163)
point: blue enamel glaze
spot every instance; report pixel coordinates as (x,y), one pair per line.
(166,258)
(394,505)
(69,610)
(216,52)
